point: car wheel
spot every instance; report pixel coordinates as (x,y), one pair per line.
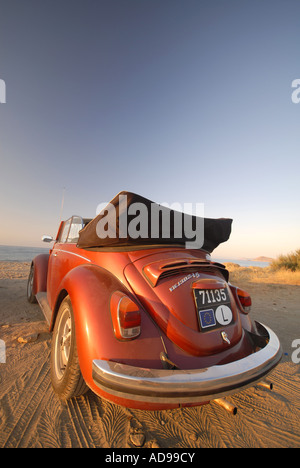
(30,290)
(66,376)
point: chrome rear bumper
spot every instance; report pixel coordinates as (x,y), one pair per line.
(187,386)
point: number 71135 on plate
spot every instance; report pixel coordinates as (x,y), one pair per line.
(213,306)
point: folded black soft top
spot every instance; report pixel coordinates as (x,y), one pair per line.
(131,220)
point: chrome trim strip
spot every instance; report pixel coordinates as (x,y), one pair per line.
(186,386)
(73,253)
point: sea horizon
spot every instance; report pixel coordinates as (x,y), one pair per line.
(18,253)
(242,262)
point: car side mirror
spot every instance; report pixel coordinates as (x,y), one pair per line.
(47,239)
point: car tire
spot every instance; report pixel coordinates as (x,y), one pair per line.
(66,377)
(30,286)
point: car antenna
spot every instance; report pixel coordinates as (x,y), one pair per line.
(62,204)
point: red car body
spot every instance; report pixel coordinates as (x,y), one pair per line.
(156,326)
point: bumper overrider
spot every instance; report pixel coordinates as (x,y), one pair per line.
(189,386)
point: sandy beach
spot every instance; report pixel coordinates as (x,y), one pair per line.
(32,416)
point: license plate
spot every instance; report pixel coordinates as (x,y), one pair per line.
(213,306)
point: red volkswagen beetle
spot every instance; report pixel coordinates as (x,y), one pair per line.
(140,313)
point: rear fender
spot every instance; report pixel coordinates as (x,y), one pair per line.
(40,263)
(90,288)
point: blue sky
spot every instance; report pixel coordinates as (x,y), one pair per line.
(178,100)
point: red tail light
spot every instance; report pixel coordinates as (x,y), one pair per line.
(244,299)
(126,316)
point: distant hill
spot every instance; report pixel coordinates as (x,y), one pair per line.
(263,259)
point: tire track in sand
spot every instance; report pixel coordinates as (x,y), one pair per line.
(26,413)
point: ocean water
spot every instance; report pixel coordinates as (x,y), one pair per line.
(9,253)
(12,253)
(241,262)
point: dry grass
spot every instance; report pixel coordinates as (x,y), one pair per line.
(263,275)
(290,261)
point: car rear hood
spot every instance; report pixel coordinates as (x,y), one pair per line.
(166,282)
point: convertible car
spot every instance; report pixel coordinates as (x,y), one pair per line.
(140,317)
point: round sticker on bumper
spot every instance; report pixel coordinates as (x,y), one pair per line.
(223,315)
